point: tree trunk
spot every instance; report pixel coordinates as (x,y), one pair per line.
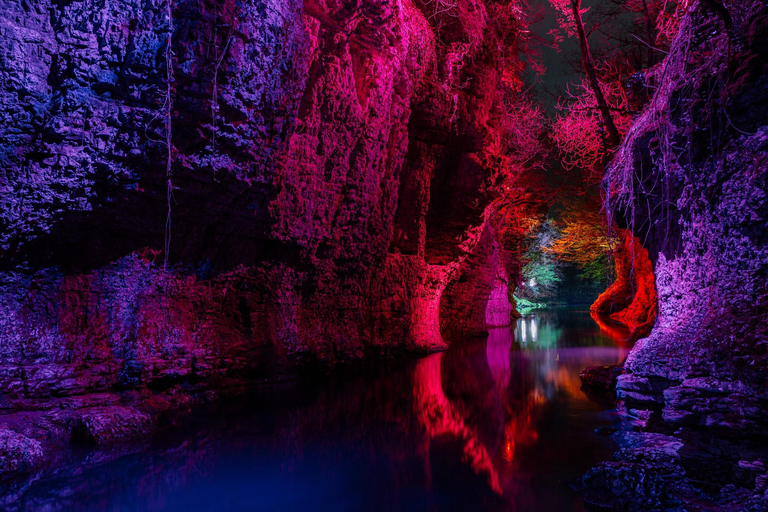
(613,138)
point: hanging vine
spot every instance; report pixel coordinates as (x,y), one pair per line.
(218,59)
(168,108)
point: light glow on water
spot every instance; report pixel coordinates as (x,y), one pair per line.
(494,423)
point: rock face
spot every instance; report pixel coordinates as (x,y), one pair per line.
(710,243)
(18,453)
(499,312)
(631,299)
(205,196)
(690,182)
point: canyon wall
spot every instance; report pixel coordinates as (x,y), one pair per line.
(690,181)
(631,299)
(279,184)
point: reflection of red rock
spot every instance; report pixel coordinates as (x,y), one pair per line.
(520,401)
(493,397)
(631,299)
(520,429)
(617,332)
(439,417)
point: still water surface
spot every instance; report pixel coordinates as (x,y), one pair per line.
(490,424)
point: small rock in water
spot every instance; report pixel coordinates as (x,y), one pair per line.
(600,376)
(755,466)
(106,426)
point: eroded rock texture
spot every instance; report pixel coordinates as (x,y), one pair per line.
(329,192)
(690,181)
(700,159)
(631,299)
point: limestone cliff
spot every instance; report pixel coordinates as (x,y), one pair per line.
(198,195)
(690,182)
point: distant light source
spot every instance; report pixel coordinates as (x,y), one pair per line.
(532,282)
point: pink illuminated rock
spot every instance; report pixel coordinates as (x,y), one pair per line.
(329,197)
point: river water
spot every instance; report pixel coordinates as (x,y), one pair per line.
(491,424)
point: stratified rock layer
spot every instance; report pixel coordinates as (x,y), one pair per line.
(327,197)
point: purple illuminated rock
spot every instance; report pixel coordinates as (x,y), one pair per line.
(107,426)
(704,367)
(330,196)
(18,453)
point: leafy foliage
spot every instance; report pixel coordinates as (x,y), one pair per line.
(585,240)
(670,14)
(577,131)
(541,273)
(515,145)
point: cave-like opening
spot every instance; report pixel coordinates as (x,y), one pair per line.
(590,69)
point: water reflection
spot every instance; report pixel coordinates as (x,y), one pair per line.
(490,424)
(515,401)
(526,330)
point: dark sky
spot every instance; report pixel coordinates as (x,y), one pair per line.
(560,70)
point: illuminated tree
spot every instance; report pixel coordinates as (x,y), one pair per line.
(668,19)
(514,145)
(541,270)
(514,141)
(575,26)
(577,131)
(585,240)
(596,111)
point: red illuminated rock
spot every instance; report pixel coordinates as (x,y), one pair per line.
(631,298)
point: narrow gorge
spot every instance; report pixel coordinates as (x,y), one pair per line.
(370,238)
